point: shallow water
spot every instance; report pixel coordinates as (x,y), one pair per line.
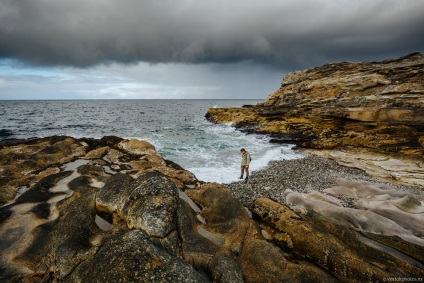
(62,185)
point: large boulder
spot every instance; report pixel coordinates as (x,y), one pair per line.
(132,257)
(148,203)
(67,199)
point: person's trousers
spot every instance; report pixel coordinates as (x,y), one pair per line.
(243,169)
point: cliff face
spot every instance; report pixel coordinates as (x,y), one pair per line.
(377,106)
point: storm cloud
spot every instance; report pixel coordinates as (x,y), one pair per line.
(283,34)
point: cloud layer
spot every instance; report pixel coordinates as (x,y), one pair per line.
(285,34)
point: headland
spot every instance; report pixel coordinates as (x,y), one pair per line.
(113,210)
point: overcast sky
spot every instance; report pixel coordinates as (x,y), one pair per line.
(105,49)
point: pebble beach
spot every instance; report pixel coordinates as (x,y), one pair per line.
(303,175)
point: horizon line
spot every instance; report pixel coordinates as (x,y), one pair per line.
(73,99)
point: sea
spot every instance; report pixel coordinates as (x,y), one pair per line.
(177,128)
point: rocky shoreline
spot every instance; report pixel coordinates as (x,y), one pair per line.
(311,173)
(343,194)
(361,128)
(371,106)
(109,210)
(113,210)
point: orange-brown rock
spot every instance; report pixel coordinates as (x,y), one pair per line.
(373,105)
(22,164)
(113,210)
(259,259)
(336,248)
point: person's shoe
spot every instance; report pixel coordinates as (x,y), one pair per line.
(247,178)
(241,177)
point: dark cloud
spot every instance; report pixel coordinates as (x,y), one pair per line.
(289,34)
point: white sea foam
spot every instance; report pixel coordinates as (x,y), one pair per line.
(177,128)
(219,160)
(228,170)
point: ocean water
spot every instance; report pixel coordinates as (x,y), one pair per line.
(177,128)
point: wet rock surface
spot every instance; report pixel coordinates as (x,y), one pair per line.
(112,210)
(360,126)
(334,247)
(370,115)
(375,105)
(59,222)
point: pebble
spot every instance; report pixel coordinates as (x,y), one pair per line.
(302,175)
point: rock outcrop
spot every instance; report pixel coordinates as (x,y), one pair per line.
(113,210)
(377,106)
(367,115)
(334,247)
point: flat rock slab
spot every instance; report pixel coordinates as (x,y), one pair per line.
(395,169)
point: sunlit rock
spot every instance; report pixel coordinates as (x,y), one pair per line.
(369,106)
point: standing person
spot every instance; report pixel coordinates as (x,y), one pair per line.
(245,160)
